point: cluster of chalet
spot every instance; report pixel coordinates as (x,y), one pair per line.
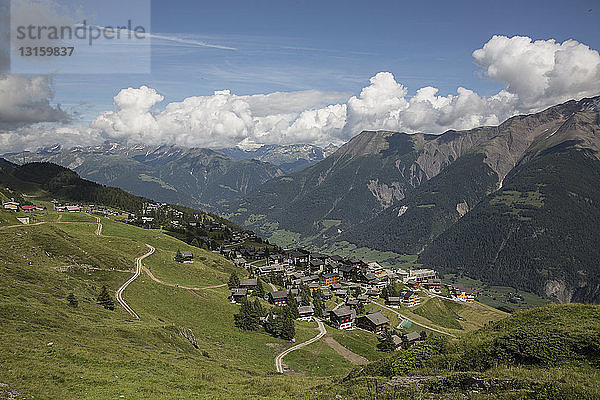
(244,289)
(329,270)
(406,298)
(62,207)
(68,207)
(12,205)
(340,277)
(460,293)
(406,340)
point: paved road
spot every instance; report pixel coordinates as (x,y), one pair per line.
(279,358)
(414,322)
(138,270)
(273,287)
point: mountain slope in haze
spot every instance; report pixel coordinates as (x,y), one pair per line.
(192,177)
(542,228)
(290,158)
(376,171)
(64,184)
(398,192)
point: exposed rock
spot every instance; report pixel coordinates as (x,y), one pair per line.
(558,290)
(462,208)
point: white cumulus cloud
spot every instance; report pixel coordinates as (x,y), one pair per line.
(543,72)
(535,75)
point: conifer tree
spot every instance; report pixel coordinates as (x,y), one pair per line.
(292,305)
(259,291)
(386,343)
(234,281)
(178,256)
(249,316)
(105,300)
(318,303)
(72,300)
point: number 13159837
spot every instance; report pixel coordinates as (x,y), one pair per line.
(46,51)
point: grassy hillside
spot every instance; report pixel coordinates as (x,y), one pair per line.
(97,353)
(546,352)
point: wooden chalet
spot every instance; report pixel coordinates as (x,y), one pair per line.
(374,322)
(342,318)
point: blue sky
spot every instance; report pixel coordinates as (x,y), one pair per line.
(328,46)
(247,73)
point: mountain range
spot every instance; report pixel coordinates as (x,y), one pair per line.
(290,158)
(516,204)
(194,177)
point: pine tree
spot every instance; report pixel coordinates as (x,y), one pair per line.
(292,305)
(259,291)
(385,293)
(249,316)
(288,329)
(305,295)
(386,343)
(178,256)
(72,300)
(234,281)
(360,309)
(318,303)
(105,300)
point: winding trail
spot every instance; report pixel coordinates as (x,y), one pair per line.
(412,321)
(279,358)
(99,228)
(138,270)
(22,225)
(155,279)
(343,351)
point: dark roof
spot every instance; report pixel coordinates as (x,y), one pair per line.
(329,275)
(393,300)
(248,282)
(187,254)
(342,311)
(412,336)
(316,263)
(373,311)
(294,254)
(336,258)
(279,294)
(239,292)
(346,268)
(377,318)
(305,310)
